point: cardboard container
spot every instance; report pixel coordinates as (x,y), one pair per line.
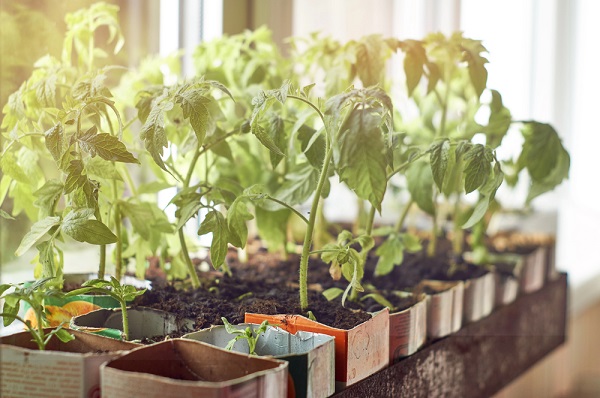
(311,356)
(444,308)
(143,323)
(359,352)
(534,271)
(408,330)
(478,298)
(507,288)
(69,370)
(184,368)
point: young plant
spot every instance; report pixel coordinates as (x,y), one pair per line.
(162,111)
(353,125)
(122,293)
(33,294)
(248,334)
(63,153)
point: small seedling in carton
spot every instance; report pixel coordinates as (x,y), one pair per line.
(112,288)
(34,295)
(248,334)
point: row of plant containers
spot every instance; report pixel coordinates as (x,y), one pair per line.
(297,357)
(240,150)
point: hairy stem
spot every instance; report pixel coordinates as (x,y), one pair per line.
(310,228)
(119,248)
(125,320)
(458,235)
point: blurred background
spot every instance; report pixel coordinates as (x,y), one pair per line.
(543,59)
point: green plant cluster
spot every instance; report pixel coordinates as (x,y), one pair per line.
(256,136)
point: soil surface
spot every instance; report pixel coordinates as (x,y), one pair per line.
(232,297)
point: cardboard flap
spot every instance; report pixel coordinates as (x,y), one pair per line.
(83,343)
(193,361)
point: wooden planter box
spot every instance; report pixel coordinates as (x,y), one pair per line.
(482,357)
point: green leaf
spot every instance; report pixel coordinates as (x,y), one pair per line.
(47,196)
(371,55)
(63,335)
(46,258)
(541,150)
(391,253)
(194,106)
(78,226)
(499,121)
(55,141)
(559,173)
(414,59)
(379,299)
(440,153)
(107,146)
(140,215)
(5,215)
(98,167)
(265,138)
(332,293)
(38,230)
(276,129)
(420,185)
(153,187)
(299,185)
(9,312)
(362,161)
(153,132)
(472,50)
(216,223)
(272,227)
(75,177)
(312,144)
(237,216)
(478,166)
(12,168)
(412,244)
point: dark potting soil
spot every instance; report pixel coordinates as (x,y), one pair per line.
(232,297)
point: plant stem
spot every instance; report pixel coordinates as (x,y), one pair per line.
(184,249)
(457,241)
(310,228)
(125,319)
(282,203)
(432,246)
(119,248)
(364,253)
(400,222)
(370,221)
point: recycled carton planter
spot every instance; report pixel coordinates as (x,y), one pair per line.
(144,323)
(185,368)
(478,297)
(444,308)
(408,330)
(311,356)
(63,369)
(534,271)
(359,352)
(507,280)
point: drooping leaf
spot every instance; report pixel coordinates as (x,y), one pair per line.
(75,177)
(55,141)
(499,121)
(439,161)
(107,146)
(472,50)
(47,196)
(559,173)
(276,129)
(332,293)
(541,150)
(237,216)
(46,258)
(420,185)
(12,168)
(265,138)
(478,166)
(312,144)
(37,231)
(215,223)
(194,106)
(362,162)
(153,132)
(414,59)
(371,55)
(78,226)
